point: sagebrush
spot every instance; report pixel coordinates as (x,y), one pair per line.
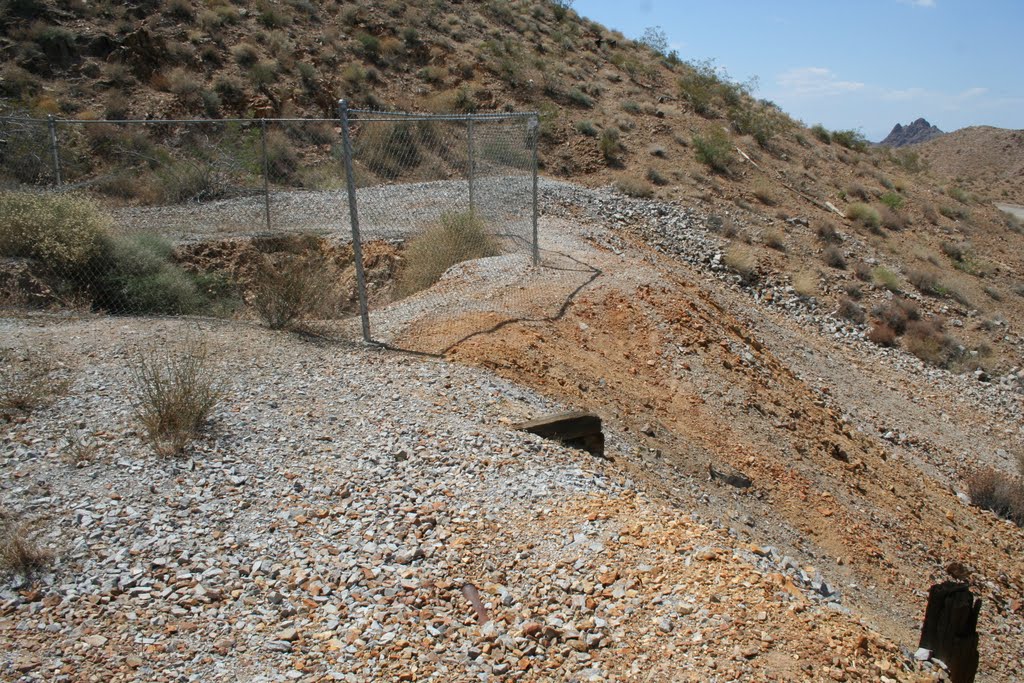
(455,238)
(175,393)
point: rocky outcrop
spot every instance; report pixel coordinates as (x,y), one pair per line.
(918,131)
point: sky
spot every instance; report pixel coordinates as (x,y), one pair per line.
(863,65)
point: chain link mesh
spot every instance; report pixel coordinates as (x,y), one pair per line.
(445,204)
(251,218)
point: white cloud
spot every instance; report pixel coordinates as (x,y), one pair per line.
(815,81)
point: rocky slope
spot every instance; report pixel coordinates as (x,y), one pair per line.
(988,161)
(326,527)
(914,133)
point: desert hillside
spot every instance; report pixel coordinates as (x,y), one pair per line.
(981,158)
(806,352)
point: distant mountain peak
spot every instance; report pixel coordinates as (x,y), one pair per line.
(918,131)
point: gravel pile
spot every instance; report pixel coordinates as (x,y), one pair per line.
(339,521)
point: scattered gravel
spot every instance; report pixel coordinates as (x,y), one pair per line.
(326,526)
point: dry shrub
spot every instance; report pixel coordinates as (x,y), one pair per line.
(833,256)
(18,553)
(457,237)
(927,340)
(826,232)
(805,284)
(999,492)
(742,261)
(862,271)
(897,313)
(764,194)
(851,311)
(926,281)
(858,192)
(29,380)
(290,288)
(893,220)
(864,214)
(176,391)
(774,239)
(634,187)
(882,334)
(930,213)
(61,231)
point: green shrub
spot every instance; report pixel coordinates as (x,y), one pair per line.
(850,139)
(954,213)
(587,128)
(702,85)
(883,277)
(909,160)
(758,121)
(714,149)
(175,394)
(863,214)
(959,194)
(631,107)
(369,44)
(892,200)
(62,231)
(457,237)
(182,181)
(388,149)
(245,54)
(610,145)
(136,275)
(656,177)
(821,132)
(634,187)
(580,98)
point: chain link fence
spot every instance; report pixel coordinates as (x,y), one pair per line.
(256,218)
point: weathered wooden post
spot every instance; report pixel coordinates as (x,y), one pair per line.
(950,629)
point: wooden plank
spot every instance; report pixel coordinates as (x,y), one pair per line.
(576,429)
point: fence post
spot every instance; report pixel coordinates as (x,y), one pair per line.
(534,126)
(469,130)
(266,172)
(353,212)
(53,148)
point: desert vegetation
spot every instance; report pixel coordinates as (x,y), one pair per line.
(455,238)
(19,554)
(176,391)
(999,491)
(29,380)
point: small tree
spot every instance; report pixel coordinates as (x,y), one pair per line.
(655,38)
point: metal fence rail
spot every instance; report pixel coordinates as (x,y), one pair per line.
(219,200)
